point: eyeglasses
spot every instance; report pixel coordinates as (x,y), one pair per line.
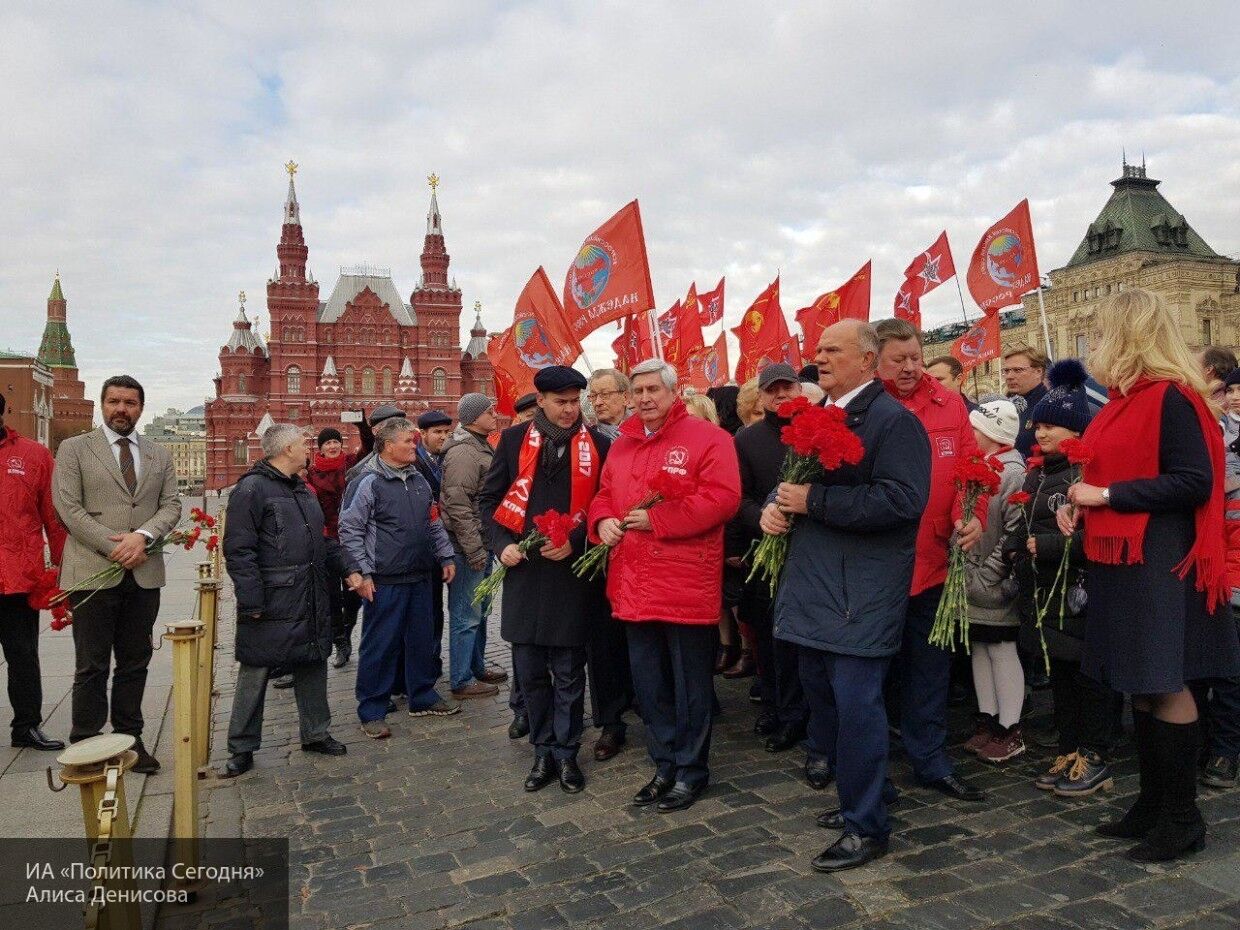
(599,395)
(1010,370)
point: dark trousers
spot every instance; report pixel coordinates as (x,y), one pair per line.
(553,680)
(1084,709)
(778,667)
(19,638)
(397,632)
(1218,706)
(115,621)
(924,673)
(245,726)
(673,667)
(611,680)
(847,715)
(344,607)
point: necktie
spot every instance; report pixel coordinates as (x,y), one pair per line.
(127,470)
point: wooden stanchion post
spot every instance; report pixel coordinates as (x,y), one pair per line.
(185,636)
(208,613)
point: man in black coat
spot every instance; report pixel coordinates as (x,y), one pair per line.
(845,585)
(280,564)
(435,428)
(551,463)
(761,452)
(1024,375)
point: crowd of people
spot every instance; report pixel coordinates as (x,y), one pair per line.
(1141,538)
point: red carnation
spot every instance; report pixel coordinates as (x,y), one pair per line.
(1035,461)
(791,408)
(1020,498)
(669,486)
(555,526)
(213,542)
(1078,451)
(44,590)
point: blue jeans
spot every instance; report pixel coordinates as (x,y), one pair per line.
(467,629)
(397,635)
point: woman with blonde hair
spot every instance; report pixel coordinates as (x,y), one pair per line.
(1151,498)
(701,406)
(748,403)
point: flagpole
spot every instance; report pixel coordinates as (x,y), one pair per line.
(977,390)
(1046,333)
(585,358)
(655,336)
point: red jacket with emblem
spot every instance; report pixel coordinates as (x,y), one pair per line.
(26,512)
(673,573)
(946,420)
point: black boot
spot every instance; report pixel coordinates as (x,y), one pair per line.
(1179,828)
(1142,815)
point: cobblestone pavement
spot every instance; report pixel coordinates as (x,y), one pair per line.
(431,829)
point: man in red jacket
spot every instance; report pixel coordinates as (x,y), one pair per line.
(26,515)
(665,578)
(922,671)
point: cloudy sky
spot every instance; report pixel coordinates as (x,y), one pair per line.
(143,146)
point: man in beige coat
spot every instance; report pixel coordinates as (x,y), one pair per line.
(115,492)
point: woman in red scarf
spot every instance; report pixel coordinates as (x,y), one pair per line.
(1151,499)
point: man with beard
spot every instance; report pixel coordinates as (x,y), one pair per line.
(551,463)
(115,492)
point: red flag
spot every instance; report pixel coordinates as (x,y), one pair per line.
(680,333)
(710,305)
(908,304)
(610,277)
(708,366)
(980,344)
(1005,262)
(635,344)
(508,373)
(763,331)
(850,301)
(541,334)
(931,268)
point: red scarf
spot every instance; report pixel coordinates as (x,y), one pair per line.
(322,463)
(511,511)
(1125,438)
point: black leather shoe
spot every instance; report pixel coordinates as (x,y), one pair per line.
(344,651)
(818,773)
(283,682)
(391,708)
(571,779)
(34,738)
(833,818)
(542,774)
(783,739)
(147,764)
(957,788)
(654,790)
(849,852)
(766,724)
(519,727)
(608,744)
(238,764)
(326,746)
(681,797)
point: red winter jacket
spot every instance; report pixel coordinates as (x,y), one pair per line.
(26,512)
(946,420)
(675,572)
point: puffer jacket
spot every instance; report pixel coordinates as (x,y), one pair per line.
(991,603)
(466,461)
(26,512)
(280,564)
(673,573)
(946,421)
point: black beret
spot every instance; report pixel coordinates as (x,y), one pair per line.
(559,378)
(434,418)
(525,402)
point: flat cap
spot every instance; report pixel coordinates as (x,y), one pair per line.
(434,418)
(559,378)
(384,412)
(525,402)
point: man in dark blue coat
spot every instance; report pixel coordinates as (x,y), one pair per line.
(845,585)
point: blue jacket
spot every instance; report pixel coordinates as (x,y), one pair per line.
(850,559)
(386,527)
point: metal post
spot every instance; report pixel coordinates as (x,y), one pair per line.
(1046,333)
(185,636)
(208,613)
(97,766)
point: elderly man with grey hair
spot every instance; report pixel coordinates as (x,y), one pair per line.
(399,548)
(281,565)
(608,394)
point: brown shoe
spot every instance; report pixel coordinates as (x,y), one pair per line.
(1008,743)
(493,676)
(985,729)
(608,745)
(746,666)
(726,656)
(475,689)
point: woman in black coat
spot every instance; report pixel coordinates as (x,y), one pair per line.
(1152,499)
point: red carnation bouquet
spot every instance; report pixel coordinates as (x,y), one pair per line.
(187,535)
(818,441)
(1079,454)
(551,527)
(45,594)
(974,478)
(664,486)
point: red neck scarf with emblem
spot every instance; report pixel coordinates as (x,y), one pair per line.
(512,509)
(1125,439)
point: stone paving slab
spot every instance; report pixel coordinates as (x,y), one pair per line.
(431,829)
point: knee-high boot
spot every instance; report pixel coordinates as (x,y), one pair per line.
(1143,814)
(1179,828)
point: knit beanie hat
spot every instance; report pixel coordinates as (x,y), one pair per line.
(997,420)
(327,434)
(1233,377)
(1066,404)
(471,407)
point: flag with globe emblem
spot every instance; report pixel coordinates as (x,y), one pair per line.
(609,278)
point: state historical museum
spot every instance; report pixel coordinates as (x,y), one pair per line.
(362,347)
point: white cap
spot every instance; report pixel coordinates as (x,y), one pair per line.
(998,420)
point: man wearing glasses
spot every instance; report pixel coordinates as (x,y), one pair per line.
(1024,370)
(609,396)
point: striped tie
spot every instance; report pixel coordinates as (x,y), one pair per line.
(127,470)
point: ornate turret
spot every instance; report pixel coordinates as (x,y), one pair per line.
(292,251)
(434,253)
(243,334)
(56,349)
(477,335)
(329,381)
(406,383)
(72,413)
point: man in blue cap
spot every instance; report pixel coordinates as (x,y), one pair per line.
(553,462)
